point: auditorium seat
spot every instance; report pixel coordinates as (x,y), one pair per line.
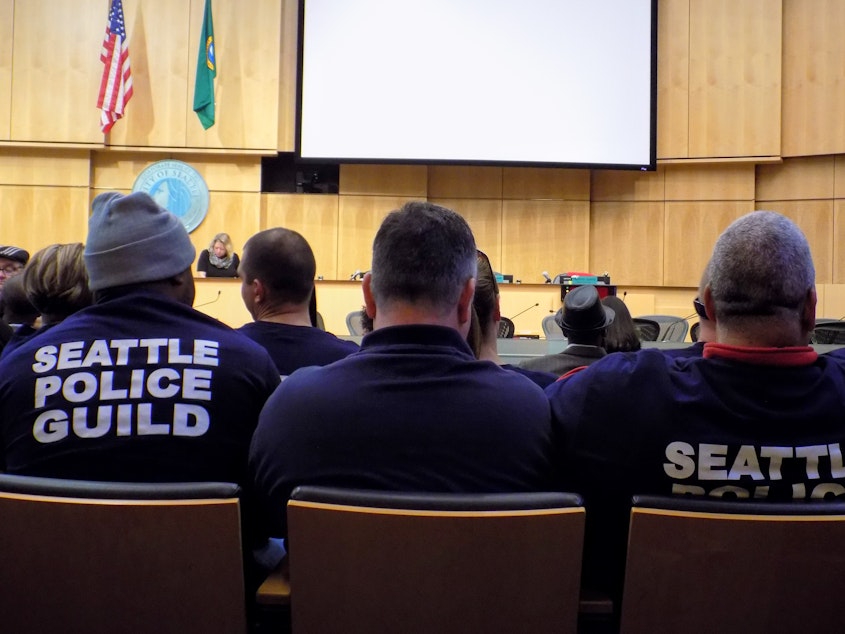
(647,329)
(550,328)
(672,328)
(506,328)
(364,561)
(354,323)
(101,557)
(705,565)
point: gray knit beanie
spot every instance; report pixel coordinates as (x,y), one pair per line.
(131,240)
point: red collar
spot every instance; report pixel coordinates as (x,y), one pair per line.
(781,357)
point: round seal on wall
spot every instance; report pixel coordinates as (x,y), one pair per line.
(177,187)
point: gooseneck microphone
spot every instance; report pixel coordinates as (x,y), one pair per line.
(355,275)
(211,302)
(524,311)
(546,277)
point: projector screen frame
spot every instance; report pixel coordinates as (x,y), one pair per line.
(650,165)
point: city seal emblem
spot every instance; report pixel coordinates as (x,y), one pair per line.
(177,187)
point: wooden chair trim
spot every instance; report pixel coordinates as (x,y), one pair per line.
(752,517)
(431,513)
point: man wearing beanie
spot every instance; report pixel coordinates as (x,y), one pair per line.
(139,386)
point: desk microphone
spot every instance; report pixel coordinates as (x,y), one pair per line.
(355,275)
(624,295)
(546,277)
(524,311)
(211,302)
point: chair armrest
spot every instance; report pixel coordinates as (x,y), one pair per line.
(276,587)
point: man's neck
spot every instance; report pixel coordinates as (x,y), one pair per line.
(290,315)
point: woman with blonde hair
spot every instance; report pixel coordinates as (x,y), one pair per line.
(219,259)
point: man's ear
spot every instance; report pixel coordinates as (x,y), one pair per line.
(369,301)
(808,314)
(465,301)
(258,290)
(709,304)
(497,310)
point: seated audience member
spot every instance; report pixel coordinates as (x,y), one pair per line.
(584,321)
(486,304)
(759,415)
(621,336)
(413,410)
(12,261)
(18,313)
(138,386)
(277,283)
(219,259)
(56,283)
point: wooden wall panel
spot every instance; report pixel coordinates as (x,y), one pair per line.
(537,183)
(359,217)
(33,217)
(626,240)
(796,179)
(449,181)
(385,180)
(118,170)
(235,213)
(56,70)
(691,231)
(735,78)
(247,45)
(710,182)
(673,33)
(32,166)
(839,176)
(315,217)
(813,77)
(287,76)
(7,11)
(544,235)
(485,219)
(839,242)
(159,54)
(815,218)
(611,185)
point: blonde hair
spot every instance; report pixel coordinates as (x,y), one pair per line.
(56,282)
(225,240)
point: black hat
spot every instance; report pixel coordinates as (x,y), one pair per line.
(583,311)
(14,253)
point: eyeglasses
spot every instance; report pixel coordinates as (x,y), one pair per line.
(699,308)
(11,269)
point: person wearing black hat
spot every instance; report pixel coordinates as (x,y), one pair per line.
(584,321)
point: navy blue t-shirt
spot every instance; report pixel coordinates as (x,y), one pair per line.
(135,388)
(294,347)
(738,422)
(412,411)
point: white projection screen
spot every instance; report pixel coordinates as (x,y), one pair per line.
(528,82)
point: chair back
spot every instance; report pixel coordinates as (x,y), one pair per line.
(550,328)
(647,329)
(698,565)
(506,328)
(100,557)
(672,328)
(695,331)
(828,332)
(363,561)
(354,323)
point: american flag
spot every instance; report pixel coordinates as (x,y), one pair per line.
(116,85)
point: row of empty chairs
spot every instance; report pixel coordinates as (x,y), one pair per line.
(106,557)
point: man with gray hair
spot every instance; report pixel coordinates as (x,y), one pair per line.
(413,410)
(759,415)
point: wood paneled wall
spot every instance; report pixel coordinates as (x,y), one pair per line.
(740,85)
